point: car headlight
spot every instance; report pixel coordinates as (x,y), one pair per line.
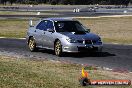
(71,40)
(99,40)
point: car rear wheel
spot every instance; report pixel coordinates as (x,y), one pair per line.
(58,48)
(32,45)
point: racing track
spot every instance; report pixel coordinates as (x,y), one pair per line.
(113,56)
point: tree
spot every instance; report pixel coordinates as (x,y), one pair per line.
(12,1)
(53,2)
(72,2)
(4,2)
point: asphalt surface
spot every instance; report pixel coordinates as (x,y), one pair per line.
(113,56)
(62,8)
(65,11)
(64,14)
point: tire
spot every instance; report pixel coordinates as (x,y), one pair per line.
(84,81)
(58,48)
(32,45)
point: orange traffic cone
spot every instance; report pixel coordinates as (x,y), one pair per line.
(84,80)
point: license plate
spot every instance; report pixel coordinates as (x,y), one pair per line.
(89,46)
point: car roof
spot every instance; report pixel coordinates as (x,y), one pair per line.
(60,19)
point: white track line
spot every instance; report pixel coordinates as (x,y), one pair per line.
(12,38)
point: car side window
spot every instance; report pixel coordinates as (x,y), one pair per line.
(42,25)
(50,25)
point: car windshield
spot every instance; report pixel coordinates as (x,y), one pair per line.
(70,26)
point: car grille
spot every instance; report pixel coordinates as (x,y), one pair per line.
(80,41)
(87,41)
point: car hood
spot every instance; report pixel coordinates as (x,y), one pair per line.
(85,36)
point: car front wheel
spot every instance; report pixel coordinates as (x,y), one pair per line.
(58,48)
(32,45)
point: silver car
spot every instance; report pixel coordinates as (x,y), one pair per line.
(62,35)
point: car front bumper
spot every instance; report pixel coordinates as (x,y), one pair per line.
(82,48)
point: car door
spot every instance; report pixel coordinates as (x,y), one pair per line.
(40,33)
(49,36)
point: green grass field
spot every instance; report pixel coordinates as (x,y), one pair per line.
(112,30)
(13,28)
(27,73)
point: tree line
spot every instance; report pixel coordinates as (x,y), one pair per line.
(69,2)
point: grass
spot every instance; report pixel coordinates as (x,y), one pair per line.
(26,73)
(13,28)
(112,30)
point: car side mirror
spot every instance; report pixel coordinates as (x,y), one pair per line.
(50,30)
(88,30)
